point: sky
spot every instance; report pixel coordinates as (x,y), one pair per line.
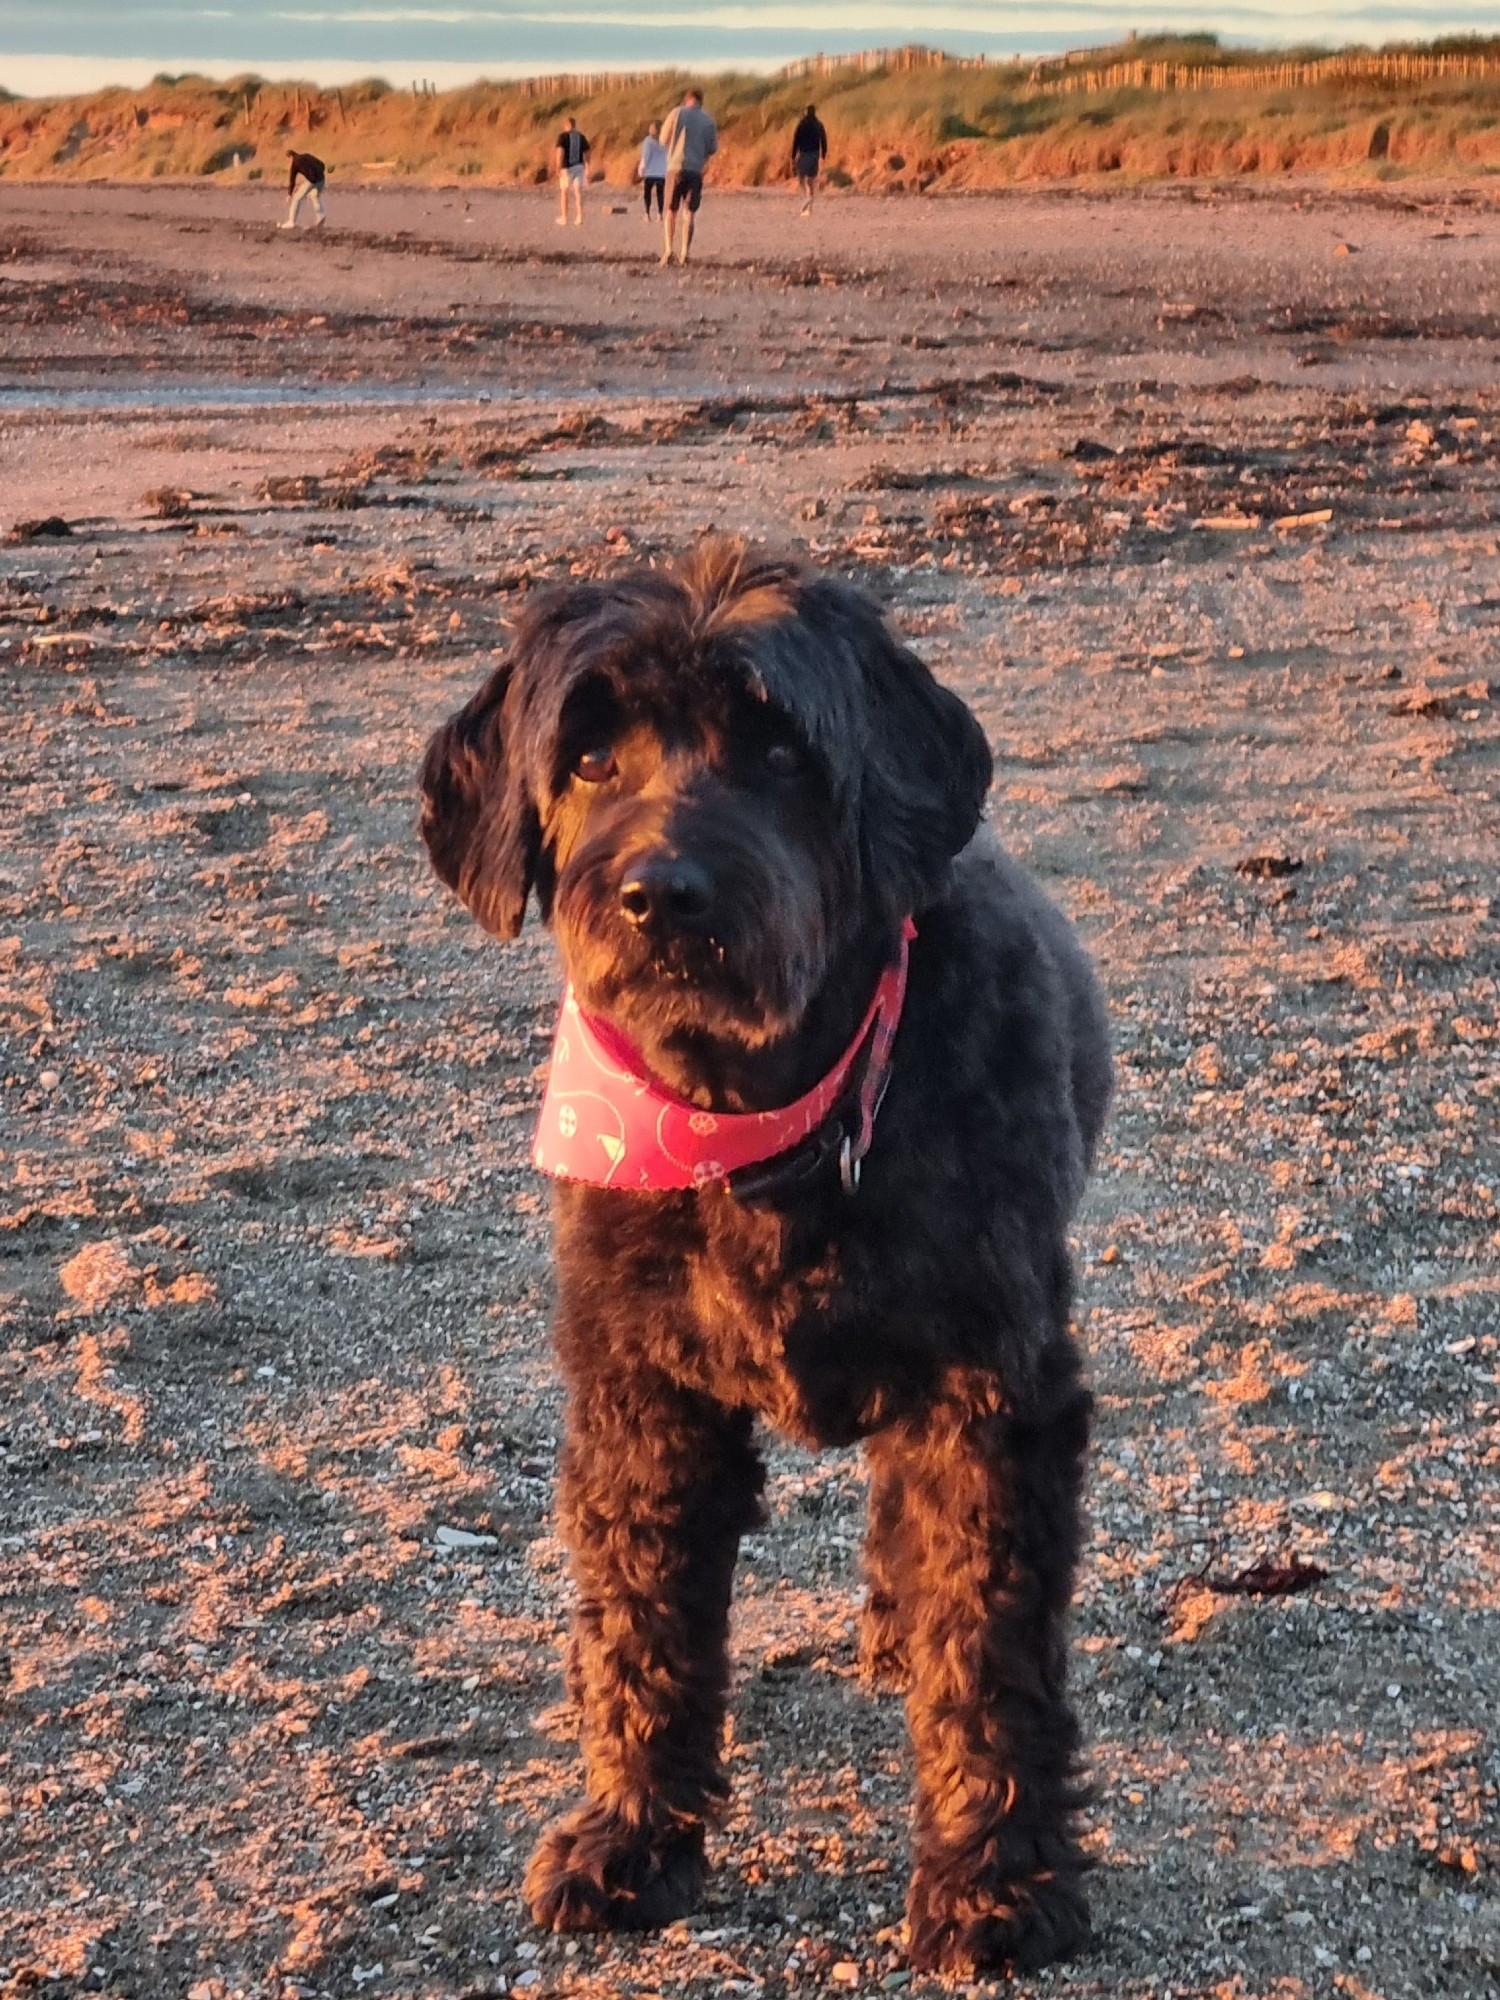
(56,45)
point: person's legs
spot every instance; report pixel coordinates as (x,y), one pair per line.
(694,195)
(300,190)
(315,194)
(578,173)
(562,198)
(669,221)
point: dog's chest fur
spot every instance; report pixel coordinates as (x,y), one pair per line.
(754,1292)
(749,1305)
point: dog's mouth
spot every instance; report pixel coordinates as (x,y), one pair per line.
(657,984)
(700,962)
(677,982)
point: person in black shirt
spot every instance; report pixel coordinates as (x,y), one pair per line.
(809,150)
(304,183)
(572,171)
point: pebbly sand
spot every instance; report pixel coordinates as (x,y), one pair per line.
(1195,495)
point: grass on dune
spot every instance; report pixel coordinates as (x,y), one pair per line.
(891,128)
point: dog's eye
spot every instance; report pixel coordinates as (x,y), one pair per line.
(594,767)
(784,758)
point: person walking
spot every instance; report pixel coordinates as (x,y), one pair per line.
(572,172)
(304,183)
(809,151)
(651,170)
(691,138)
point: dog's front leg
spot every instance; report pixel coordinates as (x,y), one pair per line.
(882,1642)
(658,1484)
(982,1569)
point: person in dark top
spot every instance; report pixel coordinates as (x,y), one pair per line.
(304,183)
(809,150)
(572,154)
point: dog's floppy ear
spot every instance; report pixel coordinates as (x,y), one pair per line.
(478,818)
(931,766)
(926,765)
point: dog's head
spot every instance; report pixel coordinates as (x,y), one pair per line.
(714,778)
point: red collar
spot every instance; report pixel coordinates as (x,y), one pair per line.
(605,1119)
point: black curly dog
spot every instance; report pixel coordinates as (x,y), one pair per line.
(727,784)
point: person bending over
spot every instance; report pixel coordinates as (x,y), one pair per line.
(304,183)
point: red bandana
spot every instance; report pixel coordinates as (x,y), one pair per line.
(605,1120)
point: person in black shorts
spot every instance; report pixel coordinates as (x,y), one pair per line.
(304,183)
(809,151)
(691,138)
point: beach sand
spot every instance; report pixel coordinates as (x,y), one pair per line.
(1195,496)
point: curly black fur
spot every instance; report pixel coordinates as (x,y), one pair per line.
(762,729)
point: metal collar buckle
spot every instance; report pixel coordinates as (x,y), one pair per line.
(849,1165)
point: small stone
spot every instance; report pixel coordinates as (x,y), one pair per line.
(464,1538)
(49,1079)
(845,1973)
(894,1981)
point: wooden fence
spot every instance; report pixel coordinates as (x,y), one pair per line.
(590,83)
(1165,77)
(1077,72)
(912,56)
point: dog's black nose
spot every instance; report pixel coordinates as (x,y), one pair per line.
(670,892)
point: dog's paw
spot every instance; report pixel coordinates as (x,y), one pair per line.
(882,1652)
(595,1872)
(1018,1926)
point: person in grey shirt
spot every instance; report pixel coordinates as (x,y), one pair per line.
(691,138)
